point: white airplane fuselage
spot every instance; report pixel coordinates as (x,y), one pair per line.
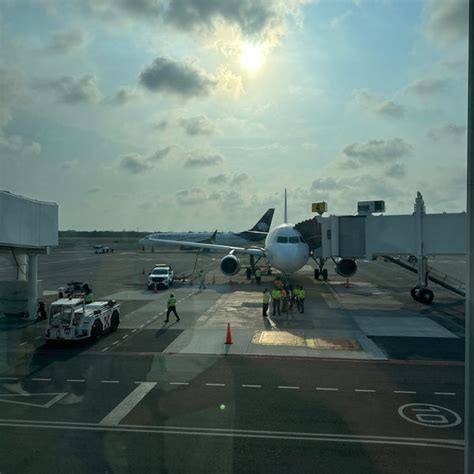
(285,249)
(223,238)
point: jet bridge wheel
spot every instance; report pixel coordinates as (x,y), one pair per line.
(425,296)
(316,274)
(324,273)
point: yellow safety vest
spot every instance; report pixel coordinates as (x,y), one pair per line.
(276,294)
(301,294)
(258,273)
(171,302)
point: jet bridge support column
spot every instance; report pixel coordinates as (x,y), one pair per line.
(32,285)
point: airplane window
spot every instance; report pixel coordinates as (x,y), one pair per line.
(282,240)
(301,239)
(294,240)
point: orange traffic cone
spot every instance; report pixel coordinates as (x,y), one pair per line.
(228,338)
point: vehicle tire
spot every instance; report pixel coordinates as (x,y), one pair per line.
(325,274)
(114,321)
(316,274)
(414,293)
(426,296)
(96,331)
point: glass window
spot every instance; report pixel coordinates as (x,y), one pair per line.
(294,240)
(282,240)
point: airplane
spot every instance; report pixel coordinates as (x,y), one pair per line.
(248,237)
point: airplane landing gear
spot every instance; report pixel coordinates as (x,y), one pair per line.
(423,295)
(321,271)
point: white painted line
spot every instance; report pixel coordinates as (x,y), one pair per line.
(9,378)
(75,380)
(115,342)
(125,336)
(405,391)
(134,330)
(251,386)
(328,389)
(445,393)
(365,390)
(149,321)
(215,384)
(39,337)
(179,383)
(128,404)
(105,349)
(142,325)
(23,343)
(288,387)
(40,379)
(109,381)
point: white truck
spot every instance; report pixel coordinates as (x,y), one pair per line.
(70,319)
(161,276)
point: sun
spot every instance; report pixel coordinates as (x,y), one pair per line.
(252,56)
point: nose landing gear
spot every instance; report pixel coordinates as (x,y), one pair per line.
(423,295)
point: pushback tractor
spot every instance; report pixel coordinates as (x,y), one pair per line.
(70,319)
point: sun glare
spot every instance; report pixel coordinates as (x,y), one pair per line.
(252,57)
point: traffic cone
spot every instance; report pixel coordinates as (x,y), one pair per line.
(347,282)
(228,337)
(155,290)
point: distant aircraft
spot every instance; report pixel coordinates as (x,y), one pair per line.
(248,237)
(285,249)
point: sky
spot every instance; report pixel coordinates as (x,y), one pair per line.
(177,115)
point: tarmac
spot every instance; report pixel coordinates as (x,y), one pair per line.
(366,380)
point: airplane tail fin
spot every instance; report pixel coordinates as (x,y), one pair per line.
(263,225)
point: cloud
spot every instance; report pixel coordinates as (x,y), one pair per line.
(69,90)
(217,179)
(158,155)
(65,42)
(396,171)
(203,161)
(324,184)
(339,20)
(123,96)
(16,145)
(199,125)
(378,150)
(446,21)
(189,197)
(174,77)
(162,125)
(239,179)
(377,104)
(449,130)
(95,189)
(134,163)
(427,87)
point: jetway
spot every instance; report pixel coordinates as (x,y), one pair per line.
(348,238)
(28,228)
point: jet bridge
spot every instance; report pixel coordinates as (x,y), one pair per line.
(28,228)
(348,238)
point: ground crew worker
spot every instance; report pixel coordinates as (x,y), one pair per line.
(258,275)
(284,300)
(276,297)
(301,296)
(202,277)
(265,302)
(296,292)
(171,303)
(248,273)
(88,295)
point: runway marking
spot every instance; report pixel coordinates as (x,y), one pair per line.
(75,380)
(368,390)
(156,317)
(105,349)
(142,325)
(409,392)
(115,342)
(328,389)
(109,381)
(9,378)
(23,343)
(40,379)
(39,337)
(288,387)
(215,384)
(456,444)
(149,321)
(445,393)
(179,383)
(134,330)
(125,336)
(128,404)
(251,386)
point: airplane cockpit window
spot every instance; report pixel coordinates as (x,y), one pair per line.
(294,240)
(282,240)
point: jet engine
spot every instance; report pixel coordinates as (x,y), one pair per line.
(230,265)
(346,267)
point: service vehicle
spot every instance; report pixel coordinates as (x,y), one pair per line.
(71,319)
(162,275)
(101,249)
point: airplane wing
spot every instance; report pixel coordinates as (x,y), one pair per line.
(220,248)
